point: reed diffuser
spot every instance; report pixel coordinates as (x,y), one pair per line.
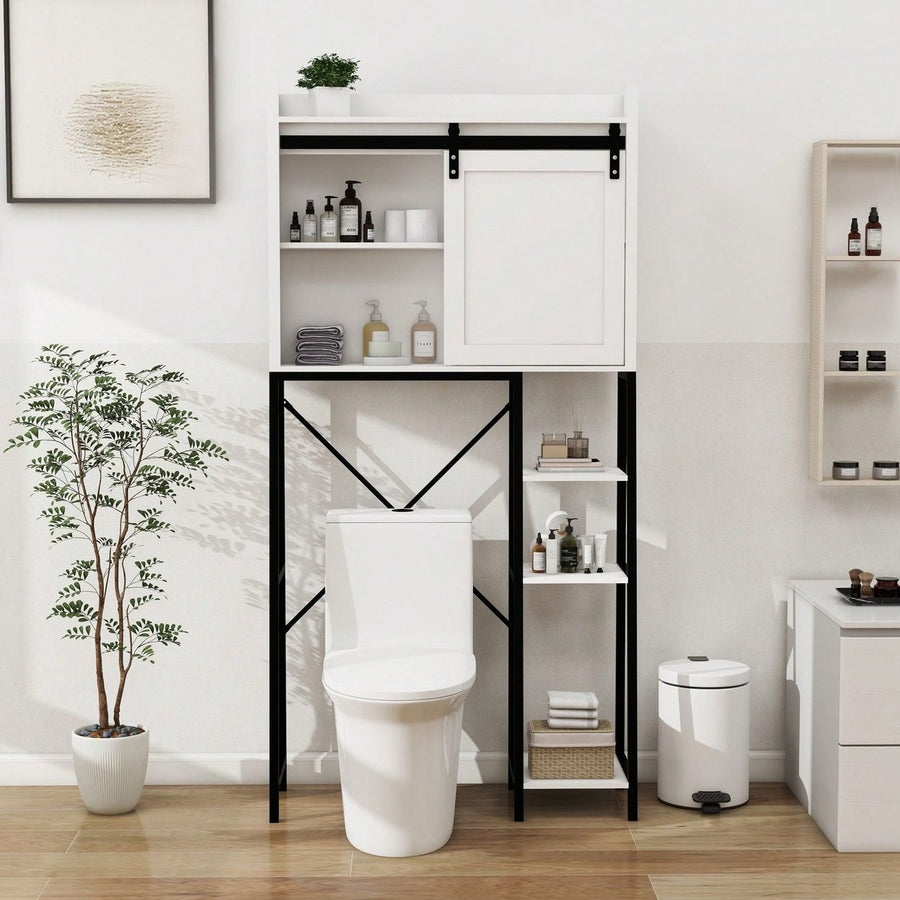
(577,445)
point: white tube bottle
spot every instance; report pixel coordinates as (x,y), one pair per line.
(552,553)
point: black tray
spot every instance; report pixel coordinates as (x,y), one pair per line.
(874,601)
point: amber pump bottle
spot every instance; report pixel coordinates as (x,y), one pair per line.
(854,239)
(350,215)
(873,234)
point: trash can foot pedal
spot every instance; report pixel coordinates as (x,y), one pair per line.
(710,801)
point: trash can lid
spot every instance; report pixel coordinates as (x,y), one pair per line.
(702,672)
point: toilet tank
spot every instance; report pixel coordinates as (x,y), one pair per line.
(398,578)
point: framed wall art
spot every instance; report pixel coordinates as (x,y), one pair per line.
(109,100)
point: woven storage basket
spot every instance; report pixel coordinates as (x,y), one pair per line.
(570,761)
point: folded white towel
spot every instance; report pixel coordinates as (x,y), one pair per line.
(554,722)
(572,700)
(558,713)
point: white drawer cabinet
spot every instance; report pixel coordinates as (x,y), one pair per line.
(842,729)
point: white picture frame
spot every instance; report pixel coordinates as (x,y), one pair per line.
(109,100)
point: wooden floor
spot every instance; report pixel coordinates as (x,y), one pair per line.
(216,842)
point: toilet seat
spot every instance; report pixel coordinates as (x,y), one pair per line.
(398,673)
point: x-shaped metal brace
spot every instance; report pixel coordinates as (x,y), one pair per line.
(384,501)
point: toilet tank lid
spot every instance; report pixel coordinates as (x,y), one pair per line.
(382,516)
(703,672)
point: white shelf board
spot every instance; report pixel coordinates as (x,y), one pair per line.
(862,373)
(607,473)
(611,574)
(862,259)
(840,482)
(618,781)
(439,367)
(375,245)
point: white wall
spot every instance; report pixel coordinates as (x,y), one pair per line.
(732,97)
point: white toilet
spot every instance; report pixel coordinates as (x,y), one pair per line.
(398,666)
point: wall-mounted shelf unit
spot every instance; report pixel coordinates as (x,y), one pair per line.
(852,306)
(506,297)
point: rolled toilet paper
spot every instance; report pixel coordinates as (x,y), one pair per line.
(395,226)
(421,226)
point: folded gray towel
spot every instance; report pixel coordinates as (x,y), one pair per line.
(319,344)
(320,331)
(319,357)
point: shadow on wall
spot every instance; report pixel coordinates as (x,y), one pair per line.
(236,524)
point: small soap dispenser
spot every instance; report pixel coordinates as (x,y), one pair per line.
(374,324)
(350,215)
(552,560)
(423,336)
(328,230)
(310,224)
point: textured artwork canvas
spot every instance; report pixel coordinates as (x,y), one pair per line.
(109,100)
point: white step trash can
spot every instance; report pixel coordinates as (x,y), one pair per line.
(704,733)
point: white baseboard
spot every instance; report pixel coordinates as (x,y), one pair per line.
(475,767)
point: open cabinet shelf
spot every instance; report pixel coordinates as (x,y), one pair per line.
(852,306)
(617,782)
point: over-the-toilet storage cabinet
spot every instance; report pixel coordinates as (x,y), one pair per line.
(533,270)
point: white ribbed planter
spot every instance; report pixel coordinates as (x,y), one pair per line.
(330,101)
(110,771)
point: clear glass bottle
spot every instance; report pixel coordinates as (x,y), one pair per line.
(310,224)
(577,446)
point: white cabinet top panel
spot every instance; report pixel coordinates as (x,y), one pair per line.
(520,108)
(823,596)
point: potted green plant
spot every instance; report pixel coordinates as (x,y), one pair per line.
(329,79)
(110,449)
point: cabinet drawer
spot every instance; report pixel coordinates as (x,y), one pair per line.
(868,803)
(870,690)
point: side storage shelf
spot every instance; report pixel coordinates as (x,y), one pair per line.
(618,580)
(853,306)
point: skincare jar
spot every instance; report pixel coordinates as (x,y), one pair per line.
(876,361)
(848,361)
(886,587)
(885,470)
(845,470)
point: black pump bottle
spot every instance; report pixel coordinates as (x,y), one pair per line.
(350,215)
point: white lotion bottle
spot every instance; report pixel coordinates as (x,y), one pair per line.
(552,554)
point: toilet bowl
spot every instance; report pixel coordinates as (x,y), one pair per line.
(398,667)
(398,716)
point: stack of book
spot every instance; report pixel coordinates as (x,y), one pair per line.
(568,465)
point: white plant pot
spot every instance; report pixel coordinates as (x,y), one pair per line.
(329,101)
(110,771)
